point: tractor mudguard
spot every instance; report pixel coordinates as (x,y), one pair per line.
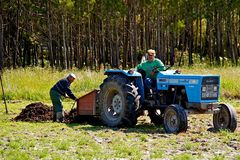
(128,73)
(124,72)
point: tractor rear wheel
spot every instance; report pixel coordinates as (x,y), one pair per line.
(118,100)
(175,119)
(226,118)
(156,116)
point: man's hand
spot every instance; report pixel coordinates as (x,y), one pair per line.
(152,73)
(155,70)
(130,71)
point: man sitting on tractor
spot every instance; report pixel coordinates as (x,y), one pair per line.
(149,70)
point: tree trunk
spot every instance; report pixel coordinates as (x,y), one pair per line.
(218,37)
(131,32)
(64,44)
(125,40)
(196,33)
(67,41)
(142,31)
(235,46)
(42,58)
(172,41)
(229,39)
(50,33)
(189,31)
(200,39)
(57,49)
(15,38)
(117,50)
(103,42)
(135,31)
(147,34)
(78,47)
(71,53)
(209,36)
(159,53)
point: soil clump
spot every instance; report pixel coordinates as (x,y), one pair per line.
(39,112)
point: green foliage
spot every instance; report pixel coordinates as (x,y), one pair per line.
(114,8)
(181,24)
(67,3)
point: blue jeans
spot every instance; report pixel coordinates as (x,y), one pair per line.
(148,82)
(140,86)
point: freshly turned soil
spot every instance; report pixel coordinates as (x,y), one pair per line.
(38,112)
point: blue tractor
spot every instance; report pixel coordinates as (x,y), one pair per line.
(122,98)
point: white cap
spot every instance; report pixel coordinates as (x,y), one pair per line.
(72,75)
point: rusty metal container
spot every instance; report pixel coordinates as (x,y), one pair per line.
(86,105)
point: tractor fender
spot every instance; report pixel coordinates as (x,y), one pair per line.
(134,75)
(123,72)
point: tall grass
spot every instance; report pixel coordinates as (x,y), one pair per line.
(229,82)
(35,83)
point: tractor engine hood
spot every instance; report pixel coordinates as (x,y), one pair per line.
(199,88)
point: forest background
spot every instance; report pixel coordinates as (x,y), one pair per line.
(97,34)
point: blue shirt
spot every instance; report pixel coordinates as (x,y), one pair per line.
(63,87)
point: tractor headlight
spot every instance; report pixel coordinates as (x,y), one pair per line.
(204,88)
(215,88)
(204,95)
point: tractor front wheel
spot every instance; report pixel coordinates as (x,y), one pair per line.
(226,118)
(175,119)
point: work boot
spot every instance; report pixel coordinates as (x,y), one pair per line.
(59,116)
(54,115)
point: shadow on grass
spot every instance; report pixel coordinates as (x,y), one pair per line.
(91,123)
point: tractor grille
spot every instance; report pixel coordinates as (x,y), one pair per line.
(210,88)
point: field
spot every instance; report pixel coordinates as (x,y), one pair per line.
(47,140)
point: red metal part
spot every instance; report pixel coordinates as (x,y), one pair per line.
(86,105)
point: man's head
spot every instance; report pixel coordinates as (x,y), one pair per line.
(71,77)
(151,54)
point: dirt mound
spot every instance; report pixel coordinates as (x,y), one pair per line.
(70,117)
(35,112)
(38,112)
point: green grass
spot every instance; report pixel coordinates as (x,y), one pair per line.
(47,140)
(35,83)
